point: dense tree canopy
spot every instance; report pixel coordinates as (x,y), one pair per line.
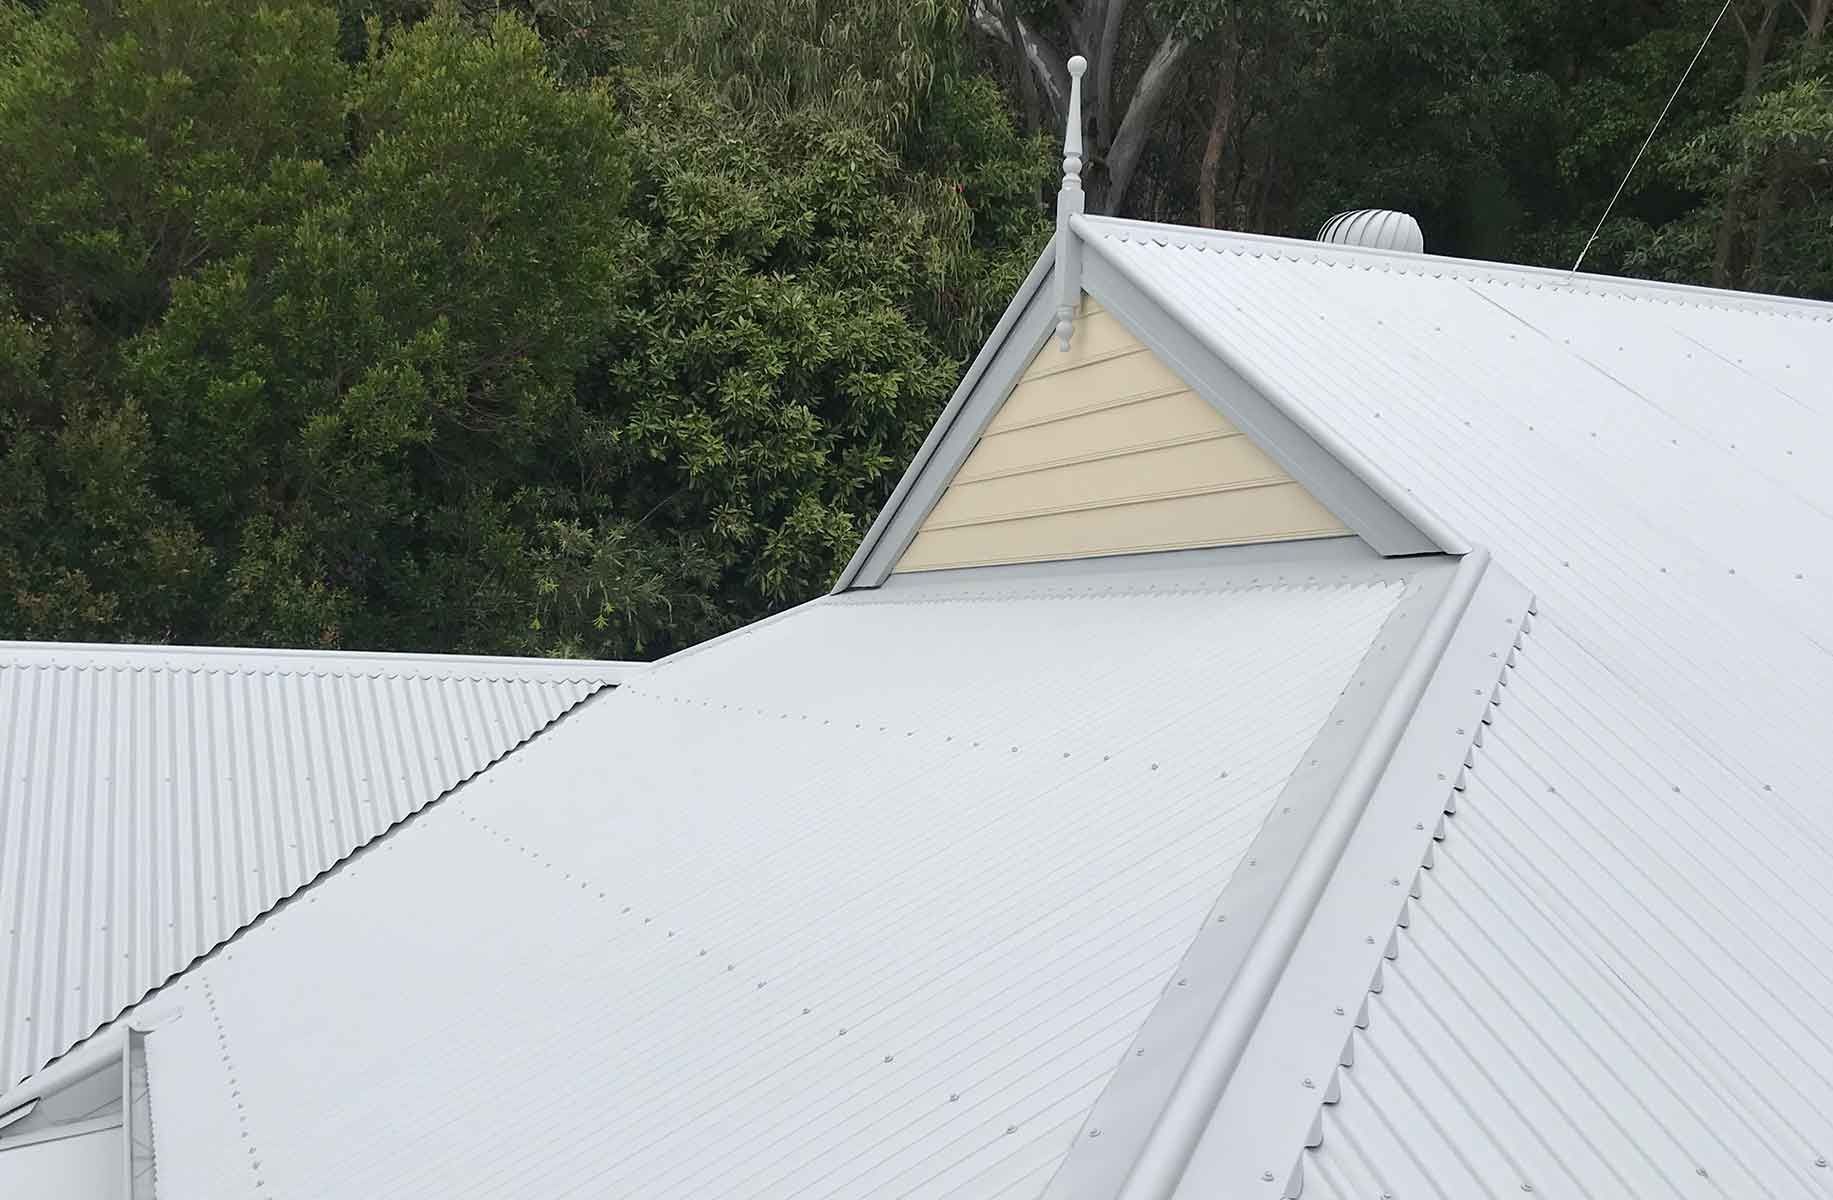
(599,326)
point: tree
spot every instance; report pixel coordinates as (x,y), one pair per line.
(1125,97)
(375,323)
(300,332)
(831,231)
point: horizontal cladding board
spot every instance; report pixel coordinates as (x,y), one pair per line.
(1282,512)
(1098,337)
(1165,472)
(1110,381)
(1103,450)
(1105,429)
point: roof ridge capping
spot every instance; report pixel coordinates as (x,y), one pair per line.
(1622,287)
(249,659)
(1219,1105)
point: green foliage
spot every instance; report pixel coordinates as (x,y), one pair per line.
(377,324)
(601,326)
(299,329)
(809,286)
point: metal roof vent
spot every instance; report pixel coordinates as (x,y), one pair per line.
(1377,228)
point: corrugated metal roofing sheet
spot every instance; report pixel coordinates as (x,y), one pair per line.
(157,799)
(866,900)
(1615,981)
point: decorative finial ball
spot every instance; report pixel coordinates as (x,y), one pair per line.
(1077,65)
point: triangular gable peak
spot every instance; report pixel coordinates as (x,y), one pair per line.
(1105,449)
(1141,437)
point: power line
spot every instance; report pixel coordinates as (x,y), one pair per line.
(1649,140)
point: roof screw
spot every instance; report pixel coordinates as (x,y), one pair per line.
(1370,939)
(953,1096)
(1700,1171)
(1011,1129)
(1821,1161)
(1339,1010)
(1308,1082)
(1094,1133)
(1527,1187)
(1266,1176)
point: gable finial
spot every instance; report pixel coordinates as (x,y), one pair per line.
(1069,204)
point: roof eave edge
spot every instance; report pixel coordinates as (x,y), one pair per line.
(1008,321)
(94,1053)
(1404,503)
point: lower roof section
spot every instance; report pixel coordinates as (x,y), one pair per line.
(869,899)
(156,799)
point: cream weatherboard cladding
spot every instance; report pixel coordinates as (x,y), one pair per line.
(1105,450)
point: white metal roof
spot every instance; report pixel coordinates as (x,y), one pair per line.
(1615,979)
(866,900)
(1591,961)
(156,799)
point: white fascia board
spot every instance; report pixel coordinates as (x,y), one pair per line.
(1384,514)
(1027,322)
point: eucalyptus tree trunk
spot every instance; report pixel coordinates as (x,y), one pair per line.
(1119,132)
(1757,46)
(1220,123)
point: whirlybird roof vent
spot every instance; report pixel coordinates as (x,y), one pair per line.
(1376,228)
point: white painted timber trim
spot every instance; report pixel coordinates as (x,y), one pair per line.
(1255,1139)
(994,372)
(1173,1139)
(1364,497)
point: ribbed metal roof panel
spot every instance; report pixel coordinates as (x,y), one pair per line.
(1615,981)
(867,900)
(157,799)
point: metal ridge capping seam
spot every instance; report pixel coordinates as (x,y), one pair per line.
(1173,1139)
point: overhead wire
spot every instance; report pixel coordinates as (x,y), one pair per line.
(1649,140)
